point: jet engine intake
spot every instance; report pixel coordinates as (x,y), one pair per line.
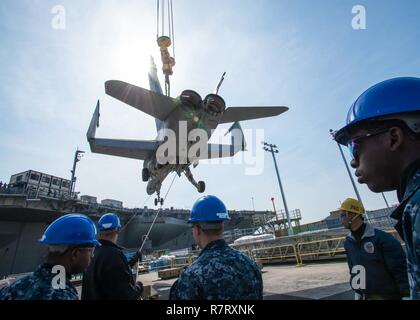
(214,104)
(191,99)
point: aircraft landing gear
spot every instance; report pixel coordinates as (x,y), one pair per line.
(158,200)
(201,186)
(145,174)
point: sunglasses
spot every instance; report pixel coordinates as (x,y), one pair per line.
(354,143)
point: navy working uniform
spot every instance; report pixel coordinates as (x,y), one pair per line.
(408,226)
(383,259)
(219,273)
(71,230)
(38,286)
(393,100)
(109,275)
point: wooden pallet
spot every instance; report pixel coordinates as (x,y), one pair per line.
(170,273)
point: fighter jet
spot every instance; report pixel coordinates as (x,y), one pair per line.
(190,110)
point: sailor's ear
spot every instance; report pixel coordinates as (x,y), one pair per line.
(196,230)
(74,253)
(396,138)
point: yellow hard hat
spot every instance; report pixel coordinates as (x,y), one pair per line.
(352,205)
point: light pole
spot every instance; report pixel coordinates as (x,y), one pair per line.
(274,208)
(277,218)
(332,132)
(386,202)
(253,205)
(77,156)
(273,149)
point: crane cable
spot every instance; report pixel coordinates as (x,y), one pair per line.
(157,20)
(171,30)
(167,60)
(172,36)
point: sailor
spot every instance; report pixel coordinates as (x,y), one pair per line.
(109,276)
(376,259)
(383,135)
(71,240)
(220,272)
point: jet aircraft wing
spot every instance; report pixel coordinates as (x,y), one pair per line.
(248,113)
(154,104)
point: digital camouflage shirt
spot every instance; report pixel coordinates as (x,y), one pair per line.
(408,226)
(219,273)
(38,286)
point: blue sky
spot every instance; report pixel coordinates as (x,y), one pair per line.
(303,54)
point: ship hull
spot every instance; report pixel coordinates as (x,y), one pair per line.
(23,221)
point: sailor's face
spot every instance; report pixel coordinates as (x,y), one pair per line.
(346,217)
(371,161)
(81,259)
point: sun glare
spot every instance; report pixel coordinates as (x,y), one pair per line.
(131,59)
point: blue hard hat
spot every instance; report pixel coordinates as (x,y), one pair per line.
(71,229)
(208,209)
(386,99)
(109,221)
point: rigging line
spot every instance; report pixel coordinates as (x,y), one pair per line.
(135,214)
(157,213)
(170,186)
(151,226)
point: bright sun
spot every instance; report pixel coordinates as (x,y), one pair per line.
(131,59)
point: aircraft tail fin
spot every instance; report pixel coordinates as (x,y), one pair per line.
(238,138)
(94,123)
(155,86)
(134,149)
(226,150)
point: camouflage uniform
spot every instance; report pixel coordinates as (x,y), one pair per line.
(408,226)
(219,273)
(38,286)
